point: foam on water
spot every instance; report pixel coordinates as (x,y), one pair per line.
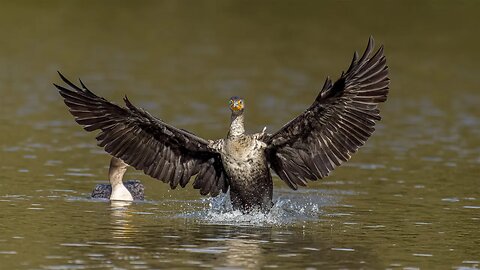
(287,209)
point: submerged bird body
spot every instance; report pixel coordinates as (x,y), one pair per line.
(307,148)
(134,187)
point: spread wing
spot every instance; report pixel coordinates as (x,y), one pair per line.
(339,121)
(145,142)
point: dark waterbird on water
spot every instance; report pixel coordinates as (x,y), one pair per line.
(339,121)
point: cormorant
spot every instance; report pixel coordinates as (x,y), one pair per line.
(340,120)
(118,190)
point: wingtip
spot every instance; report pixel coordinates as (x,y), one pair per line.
(57,86)
(368,50)
(371,44)
(327,83)
(371,39)
(352,63)
(81,83)
(61,76)
(380,50)
(127,102)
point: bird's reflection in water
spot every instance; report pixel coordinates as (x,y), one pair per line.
(244,253)
(121,222)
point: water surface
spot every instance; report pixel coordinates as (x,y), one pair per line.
(409,199)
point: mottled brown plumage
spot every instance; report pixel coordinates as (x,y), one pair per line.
(309,147)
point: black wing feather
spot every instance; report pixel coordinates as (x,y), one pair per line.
(339,121)
(145,142)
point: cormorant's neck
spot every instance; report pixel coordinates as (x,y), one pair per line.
(115,175)
(236,125)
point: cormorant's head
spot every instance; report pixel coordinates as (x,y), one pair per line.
(236,104)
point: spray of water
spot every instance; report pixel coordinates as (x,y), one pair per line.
(288,208)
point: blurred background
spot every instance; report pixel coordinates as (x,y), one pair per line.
(408,199)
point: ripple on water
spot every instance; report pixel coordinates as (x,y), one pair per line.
(343,249)
(7,252)
(454,199)
(52,162)
(210,250)
(79,174)
(422,255)
(75,245)
(123,247)
(471,206)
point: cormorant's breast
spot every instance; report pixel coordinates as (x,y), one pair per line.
(245,163)
(243,156)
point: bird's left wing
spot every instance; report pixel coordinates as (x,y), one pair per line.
(338,122)
(145,142)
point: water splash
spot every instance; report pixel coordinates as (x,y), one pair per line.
(287,209)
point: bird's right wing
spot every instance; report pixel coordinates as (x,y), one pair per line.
(145,142)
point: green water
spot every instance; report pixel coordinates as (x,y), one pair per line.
(409,199)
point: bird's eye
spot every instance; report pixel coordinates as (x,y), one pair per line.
(230,102)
